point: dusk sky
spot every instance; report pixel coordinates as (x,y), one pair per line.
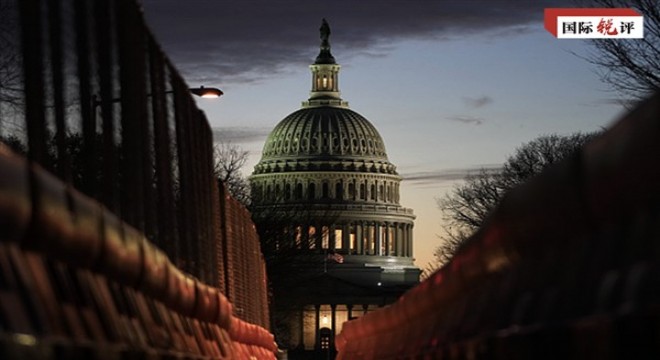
(452,86)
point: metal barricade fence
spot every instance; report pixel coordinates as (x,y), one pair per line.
(566,267)
(96,256)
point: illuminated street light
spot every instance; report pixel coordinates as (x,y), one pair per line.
(204,92)
(207,93)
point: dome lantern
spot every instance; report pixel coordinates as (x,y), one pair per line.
(325,75)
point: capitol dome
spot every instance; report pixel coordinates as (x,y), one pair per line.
(324,169)
(310,138)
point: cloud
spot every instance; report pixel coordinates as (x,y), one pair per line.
(467,119)
(227,41)
(443,175)
(479,102)
(243,135)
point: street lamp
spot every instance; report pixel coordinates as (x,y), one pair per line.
(205,92)
(109,141)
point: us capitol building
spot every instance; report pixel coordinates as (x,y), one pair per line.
(324,184)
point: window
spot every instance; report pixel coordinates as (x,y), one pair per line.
(298,237)
(311,232)
(352,239)
(338,238)
(325,237)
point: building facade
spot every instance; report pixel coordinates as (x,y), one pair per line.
(327,201)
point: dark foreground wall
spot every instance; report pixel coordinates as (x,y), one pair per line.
(76,282)
(567,267)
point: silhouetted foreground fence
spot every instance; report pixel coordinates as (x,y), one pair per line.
(97,103)
(76,282)
(87,94)
(567,267)
(243,267)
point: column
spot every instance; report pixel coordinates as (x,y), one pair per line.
(377,239)
(359,232)
(405,240)
(349,307)
(410,239)
(367,190)
(365,307)
(346,238)
(333,319)
(317,341)
(318,237)
(387,239)
(399,239)
(331,237)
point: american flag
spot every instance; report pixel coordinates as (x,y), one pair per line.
(336,257)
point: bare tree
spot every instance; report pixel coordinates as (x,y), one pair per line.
(10,61)
(291,250)
(469,204)
(229,160)
(630,66)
